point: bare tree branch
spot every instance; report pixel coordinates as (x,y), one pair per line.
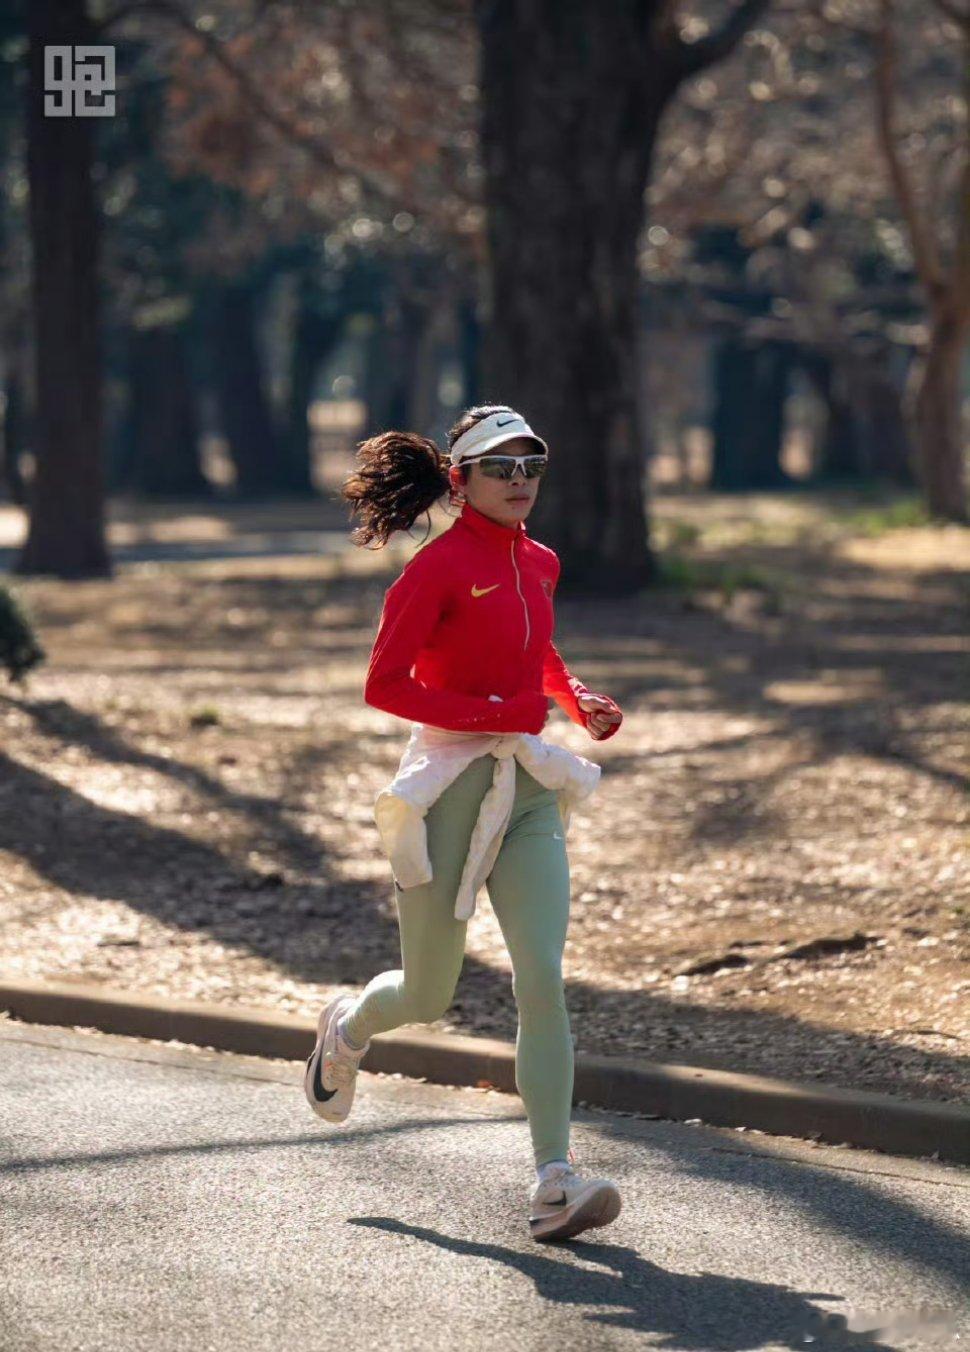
(692,57)
(961,266)
(284,125)
(925,254)
(961,261)
(956,14)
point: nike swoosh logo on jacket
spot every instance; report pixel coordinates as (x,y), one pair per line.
(440,652)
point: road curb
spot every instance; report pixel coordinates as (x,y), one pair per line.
(677,1092)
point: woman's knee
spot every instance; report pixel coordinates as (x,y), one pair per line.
(539,985)
(425,1006)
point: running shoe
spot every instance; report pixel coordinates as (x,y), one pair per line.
(330,1077)
(566,1203)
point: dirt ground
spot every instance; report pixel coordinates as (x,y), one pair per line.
(771,877)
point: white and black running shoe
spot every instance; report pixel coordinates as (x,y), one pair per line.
(330,1077)
(566,1203)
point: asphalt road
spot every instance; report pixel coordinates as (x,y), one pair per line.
(158,1197)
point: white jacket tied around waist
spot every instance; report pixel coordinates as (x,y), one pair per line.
(432,759)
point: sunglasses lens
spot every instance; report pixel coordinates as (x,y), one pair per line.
(503,466)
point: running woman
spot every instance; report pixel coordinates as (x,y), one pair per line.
(464,650)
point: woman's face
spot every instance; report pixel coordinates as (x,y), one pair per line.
(508,501)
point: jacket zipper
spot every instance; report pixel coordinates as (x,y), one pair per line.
(522,598)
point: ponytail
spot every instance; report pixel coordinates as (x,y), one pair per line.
(400,475)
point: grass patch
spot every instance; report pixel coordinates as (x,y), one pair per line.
(676,533)
(877,520)
(679,573)
(207,716)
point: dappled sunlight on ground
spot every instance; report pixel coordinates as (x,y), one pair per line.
(772,874)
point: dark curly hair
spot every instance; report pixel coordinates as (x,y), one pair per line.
(399,475)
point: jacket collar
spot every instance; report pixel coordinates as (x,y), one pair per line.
(488,529)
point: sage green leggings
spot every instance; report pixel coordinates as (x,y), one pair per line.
(529,891)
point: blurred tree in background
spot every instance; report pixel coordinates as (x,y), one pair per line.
(540,204)
(573,97)
(66,531)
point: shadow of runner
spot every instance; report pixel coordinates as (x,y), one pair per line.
(706,1312)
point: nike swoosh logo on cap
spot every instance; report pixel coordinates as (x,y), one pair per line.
(506,422)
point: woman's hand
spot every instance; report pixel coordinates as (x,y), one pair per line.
(605,714)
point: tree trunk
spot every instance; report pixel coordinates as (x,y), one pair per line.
(773,364)
(469,328)
(888,450)
(392,356)
(572,98)
(315,336)
(429,358)
(244,412)
(865,433)
(839,458)
(751,386)
(164,428)
(14,432)
(376,379)
(939,435)
(731,418)
(66,535)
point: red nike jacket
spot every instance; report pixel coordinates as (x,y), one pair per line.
(471,616)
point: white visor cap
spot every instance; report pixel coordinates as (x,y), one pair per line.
(490,432)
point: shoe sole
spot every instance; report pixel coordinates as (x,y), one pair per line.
(596,1208)
(323,1110)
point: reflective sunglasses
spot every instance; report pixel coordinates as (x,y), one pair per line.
(504,466)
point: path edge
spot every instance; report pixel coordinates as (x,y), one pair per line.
(910,1127)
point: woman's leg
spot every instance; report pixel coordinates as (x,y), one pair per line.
(432,940)
(529,891)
